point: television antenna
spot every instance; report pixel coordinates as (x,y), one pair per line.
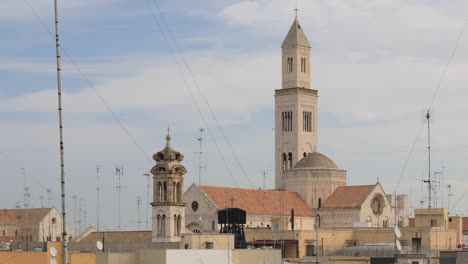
(98,189)
(450,194)
(139,215)
(119,172)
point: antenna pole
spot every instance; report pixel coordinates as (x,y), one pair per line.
(119,172)
(200,139)
(97,197)
(76,227)
(62,165)
(147,175)
(429,181)
(139,216)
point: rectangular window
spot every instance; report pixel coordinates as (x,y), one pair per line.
(307,124)
(310,250)
(287,120)
(433,222)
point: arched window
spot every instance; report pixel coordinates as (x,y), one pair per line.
(163,227)
(385,222)
(174,192)
(290,160)
(290,64)
(178,225)
(160,190)
(303,65)
(165,191)
(285,162)
(175,225)
(305,154)
(320,203)
(158,226)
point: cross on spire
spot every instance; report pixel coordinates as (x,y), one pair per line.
(232,201)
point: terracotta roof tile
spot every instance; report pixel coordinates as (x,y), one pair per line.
(18,217)
(348,196)
(119,236)
(259,202)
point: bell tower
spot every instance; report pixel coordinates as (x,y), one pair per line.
(168,206)
(295,105)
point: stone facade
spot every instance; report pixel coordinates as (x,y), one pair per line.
(35,225)
(295,105)
(168,212)
(315,178)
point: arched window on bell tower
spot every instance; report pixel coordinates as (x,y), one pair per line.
(285,162)
(290,160)
(290,64)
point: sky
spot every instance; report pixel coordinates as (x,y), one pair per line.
(131,69)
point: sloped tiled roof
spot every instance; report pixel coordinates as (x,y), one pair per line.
(348,196)
(18,217)
(119,236)
(258,202)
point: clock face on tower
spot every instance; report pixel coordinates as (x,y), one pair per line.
(377,204)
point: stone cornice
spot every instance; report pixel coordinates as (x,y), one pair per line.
(296,90)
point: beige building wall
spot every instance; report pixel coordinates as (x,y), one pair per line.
(205,218)
(377,220)
(251,256)
(438,216)
(199,241)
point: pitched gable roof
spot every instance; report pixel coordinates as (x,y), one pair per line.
(18,217)
(296,36)
(348,196)
(259,202)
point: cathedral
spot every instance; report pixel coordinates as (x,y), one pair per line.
(310,188)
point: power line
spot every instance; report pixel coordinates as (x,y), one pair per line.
(90,83)
(439,84)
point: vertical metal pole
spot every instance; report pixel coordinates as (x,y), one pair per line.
(62,165)
(97,197)
(429,181)
(200,156)
(147,199)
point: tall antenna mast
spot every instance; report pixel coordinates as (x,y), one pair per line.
(450,194)
(62,163)
(429,180)
(98,189)
(26,194)
(119,171)
(76,228)
(200,139)
(147,175)
(139,215)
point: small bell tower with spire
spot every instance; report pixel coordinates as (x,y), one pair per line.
(296,104)
(168,206)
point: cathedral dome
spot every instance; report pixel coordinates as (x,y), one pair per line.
(316,160)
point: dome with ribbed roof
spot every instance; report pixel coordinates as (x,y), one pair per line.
(316,160)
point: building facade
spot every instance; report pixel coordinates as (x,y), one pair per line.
(168,205)
(295,105)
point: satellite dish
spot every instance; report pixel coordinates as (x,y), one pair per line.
(99,245)
(53,252)
(398,245)
(53,261)
(397,232)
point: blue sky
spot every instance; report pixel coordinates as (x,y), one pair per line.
(375,63)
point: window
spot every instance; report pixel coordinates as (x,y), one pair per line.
(285,163)
(320,203)
(179,225)
(303,65)
(307,123)
(290,160)
(160,190)
(213,226)
(310,250)
(450,220)
(433,222)
(385,222)
(175,225)
(287,121)
(165,191)
(3,232)
(290,64)
(194,206)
